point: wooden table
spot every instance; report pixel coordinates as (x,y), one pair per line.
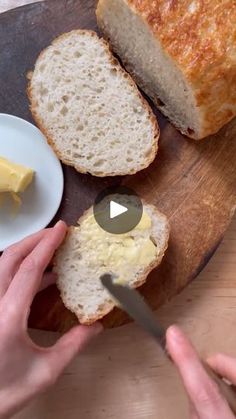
(123,373)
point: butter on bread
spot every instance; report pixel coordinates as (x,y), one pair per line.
(88,252)
(182,53)
(90,109)
(14,177)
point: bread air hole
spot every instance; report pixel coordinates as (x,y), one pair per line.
(97,173)
(64,111)
(42,67)
(77,156)
(129,160)
(56,52)
(115,143)
(113,71)
(90,156)
(80,128)
(101,134)
(50,107)
(159,102)
(138,109)
(99,163)
(78,54)
(190,131)
(114,61)
(43,91)
(65,98)
(153,241)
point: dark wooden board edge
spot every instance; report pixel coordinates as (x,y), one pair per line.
(178,158)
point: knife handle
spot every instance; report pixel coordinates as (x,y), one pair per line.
(227,390)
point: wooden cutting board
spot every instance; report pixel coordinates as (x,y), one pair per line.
(193,183)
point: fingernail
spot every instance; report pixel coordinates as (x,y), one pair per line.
(176,334)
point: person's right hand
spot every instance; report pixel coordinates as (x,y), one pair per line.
(206,401)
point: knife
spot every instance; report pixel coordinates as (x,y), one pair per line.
(133,303)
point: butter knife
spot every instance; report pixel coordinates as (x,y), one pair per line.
(133,303)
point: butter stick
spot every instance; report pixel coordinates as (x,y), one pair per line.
(14,177)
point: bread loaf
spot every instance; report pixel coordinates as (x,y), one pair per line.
(181,53)
(90,109)
(88,252)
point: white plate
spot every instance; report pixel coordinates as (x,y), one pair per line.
(21,142)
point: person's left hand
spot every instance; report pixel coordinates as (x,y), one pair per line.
(26,369)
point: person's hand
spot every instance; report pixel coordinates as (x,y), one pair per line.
(26,369)
(206,402)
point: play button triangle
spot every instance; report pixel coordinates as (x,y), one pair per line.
(116,209)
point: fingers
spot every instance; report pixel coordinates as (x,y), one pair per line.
(203,392)
(27,280)
(224,366)
(192,412)
(13,257)
(73,342)
(49,278)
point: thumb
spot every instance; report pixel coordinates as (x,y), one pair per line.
(67,347)
(224,366)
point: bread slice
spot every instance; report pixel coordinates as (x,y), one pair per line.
(181,53)
(88,252)
(90,109)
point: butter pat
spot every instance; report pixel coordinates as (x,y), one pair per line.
(14,177)
(119,253)
(145,223)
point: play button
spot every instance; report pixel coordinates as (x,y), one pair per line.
(118,210)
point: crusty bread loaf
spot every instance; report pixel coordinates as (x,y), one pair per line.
(182,53)
(88,252)
(90,109)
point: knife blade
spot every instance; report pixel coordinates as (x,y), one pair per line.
(132,302)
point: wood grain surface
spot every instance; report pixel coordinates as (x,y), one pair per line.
(194,184)
(123,373)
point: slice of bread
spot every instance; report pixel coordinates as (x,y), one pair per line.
(181,53)
(88,252)
(90,109)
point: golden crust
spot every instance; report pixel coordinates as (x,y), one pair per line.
(200,36)
(52,142)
